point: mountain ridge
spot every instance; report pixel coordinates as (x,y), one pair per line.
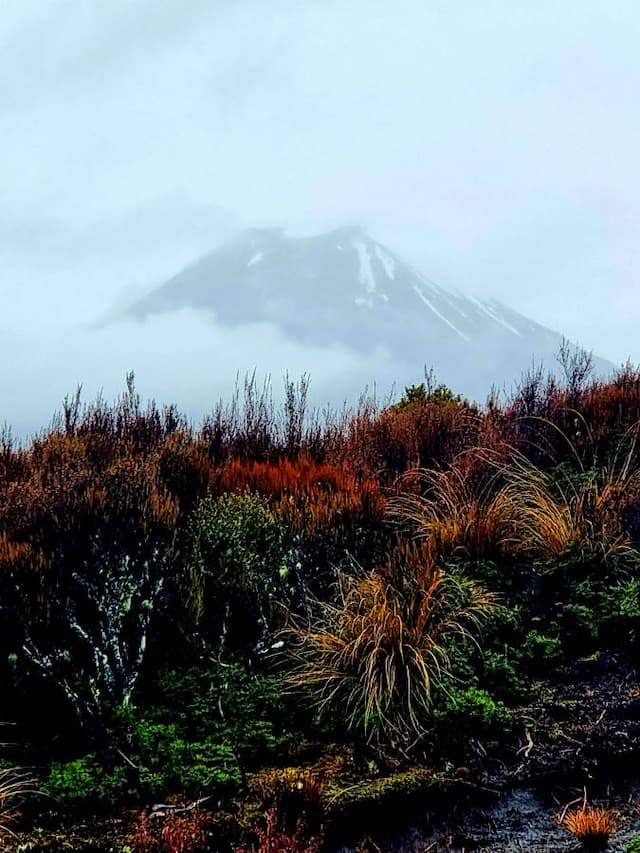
(344,287)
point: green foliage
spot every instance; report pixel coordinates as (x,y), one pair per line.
(168,762)
(539,652)
(86,779)
(234,538)
(205,728)
(597,612)
(472,712)
(465,716)
(420,394)
(225,703)
(236,557)
(633,846)
(502,674)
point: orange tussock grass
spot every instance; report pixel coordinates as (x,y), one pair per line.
(457,515)
(591,825)
(521,510)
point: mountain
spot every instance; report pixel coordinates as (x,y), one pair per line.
(344,287)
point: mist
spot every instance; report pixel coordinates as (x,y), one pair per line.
(494,145)
(184,359)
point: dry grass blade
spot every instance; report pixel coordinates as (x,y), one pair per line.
(14,784)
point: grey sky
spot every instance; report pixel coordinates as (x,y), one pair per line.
(495,144)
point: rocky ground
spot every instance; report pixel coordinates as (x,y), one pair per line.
(580,737)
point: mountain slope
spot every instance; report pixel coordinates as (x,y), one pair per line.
(345,288)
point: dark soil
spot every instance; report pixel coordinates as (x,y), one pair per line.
(581,736)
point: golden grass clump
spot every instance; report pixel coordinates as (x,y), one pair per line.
(456,515)
(591,825)
(374,656)
(552,514)
(520,510)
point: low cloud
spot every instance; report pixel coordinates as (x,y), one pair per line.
(182,358)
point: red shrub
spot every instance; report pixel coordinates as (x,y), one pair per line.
(273,839)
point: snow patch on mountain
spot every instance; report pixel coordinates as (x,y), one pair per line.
(366,275)
(439,314)
(387,262)
(256,259)
(486,308)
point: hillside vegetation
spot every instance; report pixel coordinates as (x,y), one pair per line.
(287,627)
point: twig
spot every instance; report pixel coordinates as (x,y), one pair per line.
(126,758)
(162,809)
(564,811)
(528,746)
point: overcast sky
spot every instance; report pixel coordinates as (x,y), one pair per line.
(495,144)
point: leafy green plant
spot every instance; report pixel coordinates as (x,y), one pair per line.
(425,393)
(87,780)
(205,727)
(539,653)
(236,552)
(466,713)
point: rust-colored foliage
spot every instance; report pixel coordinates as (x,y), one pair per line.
(273,839)
(459,512)
(175,832)
(388,443)
(307,495)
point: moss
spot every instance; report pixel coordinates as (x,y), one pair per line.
(383,799)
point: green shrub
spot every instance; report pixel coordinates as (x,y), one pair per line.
(472,711)
(226,703)
(502,675)
(87,780)
(539,653)
(465,716)
(205,728)
(235,556)
(169,764)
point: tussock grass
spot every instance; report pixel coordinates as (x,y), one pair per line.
(520,510)
(556,512)
(13,786)
(455,514)
(375,655)
(592,826)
